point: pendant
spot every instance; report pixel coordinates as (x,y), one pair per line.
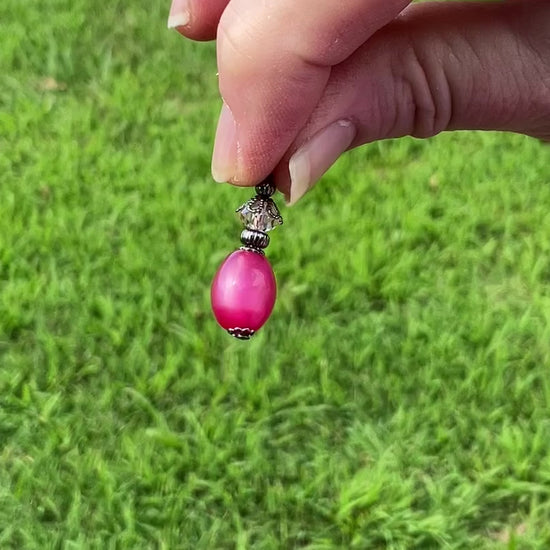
(244,288)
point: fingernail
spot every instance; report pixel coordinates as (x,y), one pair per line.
(314,158)
(179,14)
(224,157)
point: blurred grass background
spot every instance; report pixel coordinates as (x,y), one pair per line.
(399,396)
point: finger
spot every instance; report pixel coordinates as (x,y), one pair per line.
(438,67)
(274,60)
(196,19)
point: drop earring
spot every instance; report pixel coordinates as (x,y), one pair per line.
(244,288)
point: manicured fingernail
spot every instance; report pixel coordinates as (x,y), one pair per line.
(179,14)
(224,157)
(314,158)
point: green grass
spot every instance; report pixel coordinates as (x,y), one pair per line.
(399,396)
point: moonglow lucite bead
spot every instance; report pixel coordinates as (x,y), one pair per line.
(244,288)
(243,293)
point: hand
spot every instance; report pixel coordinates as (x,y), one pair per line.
(305,80)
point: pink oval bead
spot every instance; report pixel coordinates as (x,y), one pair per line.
(243,293)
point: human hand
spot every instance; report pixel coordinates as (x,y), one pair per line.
(305,80)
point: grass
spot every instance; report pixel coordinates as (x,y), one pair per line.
(399,396)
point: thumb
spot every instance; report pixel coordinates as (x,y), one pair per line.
(274,61)
(437,67)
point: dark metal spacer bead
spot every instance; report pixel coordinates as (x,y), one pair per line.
(254,239)
(265,189)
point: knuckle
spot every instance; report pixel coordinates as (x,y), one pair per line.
(238,39)
(430,99)
(249,39)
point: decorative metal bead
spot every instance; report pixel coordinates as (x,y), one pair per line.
(265,189)
(254,239)
(260,214)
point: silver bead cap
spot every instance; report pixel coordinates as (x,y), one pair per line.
(241,333)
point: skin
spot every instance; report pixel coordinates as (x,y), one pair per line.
(289,69)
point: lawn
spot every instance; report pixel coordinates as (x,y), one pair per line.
(398,398)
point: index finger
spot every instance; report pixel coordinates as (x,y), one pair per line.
(196,19)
